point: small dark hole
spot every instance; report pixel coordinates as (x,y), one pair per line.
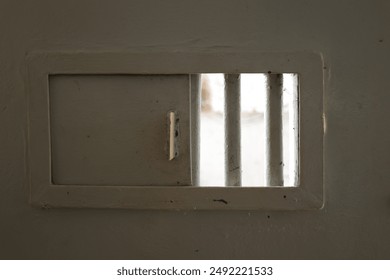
(284,196)
(176,133)
(45,206)
(268,216)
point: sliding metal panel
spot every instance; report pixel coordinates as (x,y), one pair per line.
(273,131)
(233,129)
(111,130)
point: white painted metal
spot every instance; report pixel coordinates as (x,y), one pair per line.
(352,38)
(233,129)
(149,195)
(112,129)
(273,131)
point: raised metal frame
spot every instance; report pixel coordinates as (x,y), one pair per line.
(308,195)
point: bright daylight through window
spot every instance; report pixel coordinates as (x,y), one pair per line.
(267,115)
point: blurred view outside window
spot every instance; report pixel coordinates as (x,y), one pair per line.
(253,89)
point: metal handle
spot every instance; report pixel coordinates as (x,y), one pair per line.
(173,134)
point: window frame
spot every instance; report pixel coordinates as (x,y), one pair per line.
(308,195)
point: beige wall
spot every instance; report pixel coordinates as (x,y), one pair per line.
(354,37)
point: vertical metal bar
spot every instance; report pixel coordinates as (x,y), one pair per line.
(233,129)
(273,131)
(196,90)
(294,123)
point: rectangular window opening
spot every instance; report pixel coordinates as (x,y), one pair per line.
(263,112)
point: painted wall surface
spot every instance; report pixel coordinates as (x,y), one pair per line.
(354,38)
